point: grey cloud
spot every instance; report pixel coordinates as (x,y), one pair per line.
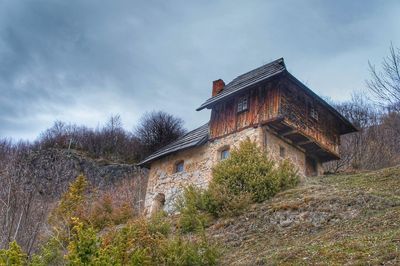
(81,61)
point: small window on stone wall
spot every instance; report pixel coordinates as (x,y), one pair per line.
(282,151)
(225,154)
(179,167)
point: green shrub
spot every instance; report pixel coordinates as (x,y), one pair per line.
(193,206)
(131,244)
(13,255)
(224,203)
(71,205)
(71,201)
(247,176)
(178,251)
(288,175)
(147,242)
(50,253)
(83,249)
(76,240)
(105,212)
(159,224)
(248,170)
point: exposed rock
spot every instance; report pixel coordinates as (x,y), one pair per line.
(52,170)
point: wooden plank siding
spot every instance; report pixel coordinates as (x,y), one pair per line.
(263,104)
(295,108)
(274,99)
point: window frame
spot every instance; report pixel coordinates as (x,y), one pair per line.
(239,105)
(313,111)
(224,151)
(178,169)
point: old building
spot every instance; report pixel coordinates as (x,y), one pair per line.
(268,105)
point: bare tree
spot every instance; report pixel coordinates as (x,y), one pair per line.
(110,141)
(22,205)
(157,129)
(375,145)
(385,84)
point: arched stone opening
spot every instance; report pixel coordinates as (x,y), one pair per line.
(158,203)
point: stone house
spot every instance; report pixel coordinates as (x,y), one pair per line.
(269,106)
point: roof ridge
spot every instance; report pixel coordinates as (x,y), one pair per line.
(279,60)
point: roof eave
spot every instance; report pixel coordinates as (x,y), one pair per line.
(162,153)
(150,160)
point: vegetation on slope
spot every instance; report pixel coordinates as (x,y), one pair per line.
(77,235)
(336,220)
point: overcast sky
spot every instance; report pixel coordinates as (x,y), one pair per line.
(82,61)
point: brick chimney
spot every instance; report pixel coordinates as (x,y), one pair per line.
(218,86)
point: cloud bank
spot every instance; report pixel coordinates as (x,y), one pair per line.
(82,61)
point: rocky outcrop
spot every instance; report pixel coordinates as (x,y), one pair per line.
(52,170)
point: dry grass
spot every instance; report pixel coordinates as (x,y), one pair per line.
(332,220)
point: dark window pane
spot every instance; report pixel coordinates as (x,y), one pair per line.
(224,154)
(179,167)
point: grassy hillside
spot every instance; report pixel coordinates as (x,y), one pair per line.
(337,219)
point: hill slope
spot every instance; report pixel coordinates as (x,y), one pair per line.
(338,219)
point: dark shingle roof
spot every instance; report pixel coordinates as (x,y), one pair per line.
(193,138)
(244,81)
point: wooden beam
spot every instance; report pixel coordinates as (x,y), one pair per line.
(287,133)
(301,143)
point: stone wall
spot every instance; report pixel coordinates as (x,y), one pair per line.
(198,163)
(273,144)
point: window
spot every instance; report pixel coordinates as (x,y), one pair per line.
(224,154)
(282,151)
(179,167)
(242,104)
(313,111)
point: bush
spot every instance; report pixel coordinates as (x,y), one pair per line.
(148,242)
(182,252)
(50,253)
(288,176)
(225,203)
(193,205)
(250,170)
(247,176)
(104,211)
(77,240)
(71,202)
(138,242)
(83,248)
(13,255)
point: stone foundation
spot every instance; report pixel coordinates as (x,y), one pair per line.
(198,163)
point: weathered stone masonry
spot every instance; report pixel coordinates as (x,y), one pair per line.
(198,163)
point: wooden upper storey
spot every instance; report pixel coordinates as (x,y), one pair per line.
(287,106)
